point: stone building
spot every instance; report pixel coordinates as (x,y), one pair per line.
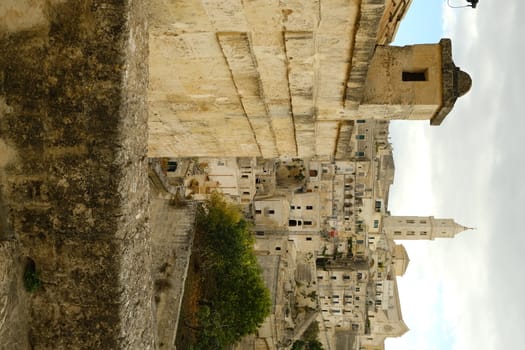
(82,83)
(290,77)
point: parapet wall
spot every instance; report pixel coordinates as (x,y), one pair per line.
(73,121)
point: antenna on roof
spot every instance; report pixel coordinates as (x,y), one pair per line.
(473,4)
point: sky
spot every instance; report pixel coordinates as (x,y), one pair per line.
(466,293)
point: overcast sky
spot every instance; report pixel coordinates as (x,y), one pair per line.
(467,293)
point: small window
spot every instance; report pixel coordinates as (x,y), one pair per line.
(313,173)
(277,248)
(359,154)
(415,76)
(308,238)
(258,211)
(309,207)
(244,176)
(361,121)
(259,233)
(333,277)
(271,211)
(376,223)
(292,207)
(292,222)
(172,166)
(246,193)
(360,137)
(307,223)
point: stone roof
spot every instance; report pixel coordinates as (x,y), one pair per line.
(456,82)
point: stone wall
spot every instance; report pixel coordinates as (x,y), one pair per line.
(172,232)
(73,118)
(256,78)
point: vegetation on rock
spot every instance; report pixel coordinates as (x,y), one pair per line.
(31,279)
(309,339)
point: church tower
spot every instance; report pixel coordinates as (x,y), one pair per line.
(416,82)
(420,227)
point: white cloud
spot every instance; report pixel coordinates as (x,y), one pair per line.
(412,192)
(476,169)
(471,169)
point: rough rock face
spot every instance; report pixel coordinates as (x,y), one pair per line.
(13,314)
(73,173)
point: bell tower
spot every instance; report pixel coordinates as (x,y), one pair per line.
(415,82)
(420,227)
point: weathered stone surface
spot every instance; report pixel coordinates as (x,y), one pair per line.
(13,313)
(74,121)
(172,230)
(272,71)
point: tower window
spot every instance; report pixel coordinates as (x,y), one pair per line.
(172,166)
(415,76)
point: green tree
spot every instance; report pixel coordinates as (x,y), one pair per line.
(235,301)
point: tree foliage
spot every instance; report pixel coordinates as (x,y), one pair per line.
(235,301)
(309,339)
